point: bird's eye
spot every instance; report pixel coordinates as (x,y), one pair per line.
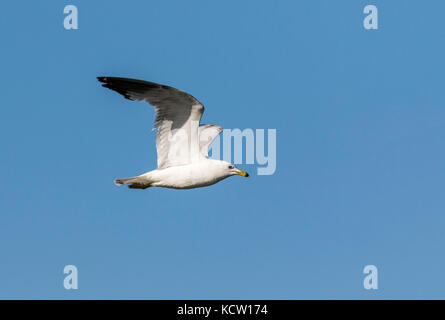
(231,167)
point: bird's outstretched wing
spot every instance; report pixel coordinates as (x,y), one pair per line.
(207,133)
(177,117)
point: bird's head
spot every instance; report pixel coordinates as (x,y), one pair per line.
(231,170)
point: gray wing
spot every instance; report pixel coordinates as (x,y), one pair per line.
(177,117)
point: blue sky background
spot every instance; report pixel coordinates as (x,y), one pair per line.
(360,174)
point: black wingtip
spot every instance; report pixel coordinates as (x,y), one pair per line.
(131,89)
(115,85)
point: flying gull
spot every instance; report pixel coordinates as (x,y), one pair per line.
(182,144)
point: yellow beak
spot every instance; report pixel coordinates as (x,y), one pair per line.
(242,173)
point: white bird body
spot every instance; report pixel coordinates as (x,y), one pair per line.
(181,143)
(199,174)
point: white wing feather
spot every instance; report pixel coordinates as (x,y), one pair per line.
(207,133)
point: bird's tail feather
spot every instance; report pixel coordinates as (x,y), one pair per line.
(133,182)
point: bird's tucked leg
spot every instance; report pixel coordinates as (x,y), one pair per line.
(138,185)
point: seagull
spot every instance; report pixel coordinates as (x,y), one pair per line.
(182,144)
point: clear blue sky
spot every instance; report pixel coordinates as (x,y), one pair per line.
(360,179)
